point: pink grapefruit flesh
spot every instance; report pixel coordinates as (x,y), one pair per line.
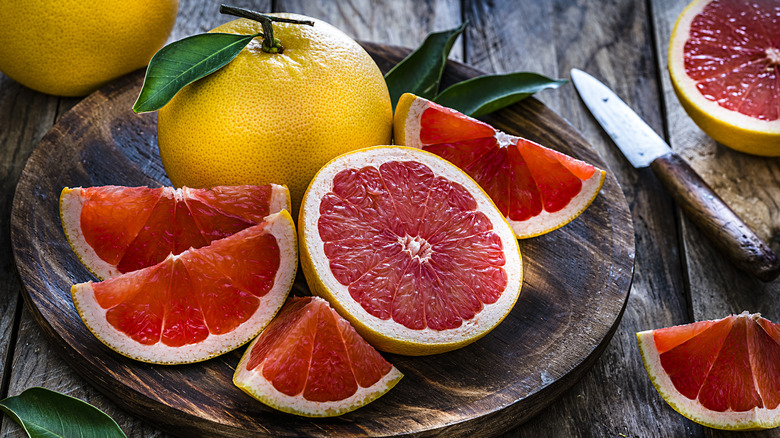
(116,229)
(723,374)
(310,361)
(198,304)
(536,188)
(409,248)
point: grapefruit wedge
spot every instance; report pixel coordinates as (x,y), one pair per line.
(723,374)
(114,229)
(198,304)
(724,63)
(409,249)
(538,189)
(309,361)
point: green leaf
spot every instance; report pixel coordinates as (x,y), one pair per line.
(185,61)
(485,94)
(43,413)
(420,72)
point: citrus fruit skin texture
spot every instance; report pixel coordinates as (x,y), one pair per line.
(116,229)
(276,118)
(723,374)
(199,304)
(538,189)
(409,249)
(309,361)
(728,85)
(72,47)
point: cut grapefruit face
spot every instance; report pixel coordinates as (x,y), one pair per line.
(723,374)
(724,63)
(409,249)
(198,304)
(114,229)
(538,189)
(309,361)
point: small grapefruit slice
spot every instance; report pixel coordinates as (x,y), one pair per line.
(198,304)
(538,189)
(309,361)
(114,229)
(724,63)
(723,374)
(409,249)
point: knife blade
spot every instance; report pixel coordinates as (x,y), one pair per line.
(643,147)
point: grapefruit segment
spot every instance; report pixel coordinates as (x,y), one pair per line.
(724,63)
(409,249)
(723,374)
(198,304)
(536,188)
(309,361)
(114,229)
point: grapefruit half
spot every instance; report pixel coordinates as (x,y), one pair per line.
(724,64)
(538,189)
(723,374)
(114,229)
(198,304)
(409,249)
(309,361)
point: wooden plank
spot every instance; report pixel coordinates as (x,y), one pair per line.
(30,115)
(748,184)
(613,43)
(25,115)
(402,23)
(35,363)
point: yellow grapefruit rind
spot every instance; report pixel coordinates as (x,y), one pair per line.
(253,383)
(71,203)
(730,128)
(387,335)
(406,132)
(281,226)
(755,419)
(324,96)
(545,221)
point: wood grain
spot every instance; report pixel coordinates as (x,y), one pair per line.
(400,22)
(611,40)
(27,112)
(576,284)
(715,219)
(749,185)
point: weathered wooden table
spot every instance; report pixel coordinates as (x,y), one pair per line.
(679,276)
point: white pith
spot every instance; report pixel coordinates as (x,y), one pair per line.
(484,321)
(692,409)
(534,226)
(253,383)
(71,204)
(279,225)
(505,140)
(677,71)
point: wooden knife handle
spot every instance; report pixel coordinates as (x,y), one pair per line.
(715,218)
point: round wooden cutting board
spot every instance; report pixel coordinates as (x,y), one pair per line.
(577,280)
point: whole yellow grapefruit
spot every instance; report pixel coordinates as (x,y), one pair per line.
(276,117)
(72,47)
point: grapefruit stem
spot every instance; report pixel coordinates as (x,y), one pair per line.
(270,44)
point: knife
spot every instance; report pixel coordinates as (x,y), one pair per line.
(643,147)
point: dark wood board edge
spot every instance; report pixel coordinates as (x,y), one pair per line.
(144,405)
